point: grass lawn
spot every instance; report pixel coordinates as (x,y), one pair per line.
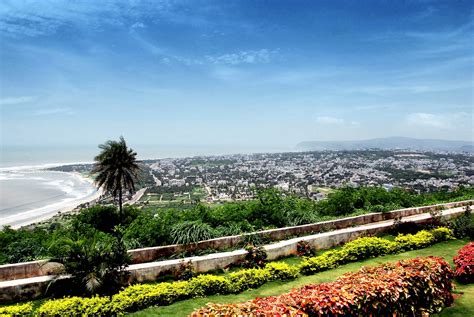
(464,304)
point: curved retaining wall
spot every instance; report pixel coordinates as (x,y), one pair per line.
(29,288)
(150,254)
(145,255)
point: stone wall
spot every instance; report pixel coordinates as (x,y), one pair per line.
(34,287)
(150,254)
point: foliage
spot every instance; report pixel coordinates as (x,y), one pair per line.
(116,169)
(105,218)
(303,248)
(366,247)
(16,310)
(247,279)
(442,234)
(413,287)
(422,239)
(281,271)
(75,306)
(206,284)
(405,227)
(151,226)
(191,231)
(464,262)
(140,296)
(185,271)
(463,226)
(96,263)
(255,257)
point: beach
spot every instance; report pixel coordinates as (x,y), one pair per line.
(29,194)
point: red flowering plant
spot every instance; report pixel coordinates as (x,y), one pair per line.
(412,287)
(464,262)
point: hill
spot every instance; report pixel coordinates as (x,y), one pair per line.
(390,143)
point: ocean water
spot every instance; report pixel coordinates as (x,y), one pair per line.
(29,194)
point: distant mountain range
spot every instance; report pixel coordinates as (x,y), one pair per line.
(391,143)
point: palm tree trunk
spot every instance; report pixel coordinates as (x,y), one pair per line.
(120,205)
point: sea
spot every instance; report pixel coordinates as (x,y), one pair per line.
(29,192)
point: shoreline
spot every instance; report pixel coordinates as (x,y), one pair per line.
(44,213)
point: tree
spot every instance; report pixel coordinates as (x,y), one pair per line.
(116,169)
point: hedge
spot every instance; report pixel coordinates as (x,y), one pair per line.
(417,287)
(141,296)
(368,247)
(16,310)
(464,262)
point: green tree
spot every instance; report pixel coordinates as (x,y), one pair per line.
(116,169)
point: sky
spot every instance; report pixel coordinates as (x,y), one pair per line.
(237,74)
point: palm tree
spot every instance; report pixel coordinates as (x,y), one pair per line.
(116,169)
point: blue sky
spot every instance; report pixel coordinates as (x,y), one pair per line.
(260,74)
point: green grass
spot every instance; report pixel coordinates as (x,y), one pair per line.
(464,305)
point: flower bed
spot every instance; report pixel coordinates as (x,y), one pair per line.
(411,287)
(141,296)
(464,262)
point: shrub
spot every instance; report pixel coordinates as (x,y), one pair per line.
(281,271)
(203,285)
(303,248)
(464,262)
(75,306)
(463,226)
(326,261)
(97,264)
(405,227)
(191,231)
(141,296)
(185,271)
(364,248)
(247,279)
(419,240)
(442,234)
(413,287)
(17,310)
(255,257)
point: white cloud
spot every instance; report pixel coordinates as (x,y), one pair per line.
(439,121)
(329,120)
(243,57)
(54,111)
(16,100)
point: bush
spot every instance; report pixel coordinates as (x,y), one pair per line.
(191,231)
(75,306)
(442,234)
(255,257)
(203,285)
(246,279)
(141,296)
(463,226)
(281,271)
(419,240)
(328,260)
(303,248)
(405,227)
(413,287)
(464,262)
(185,271)
(16,310)
(364,248)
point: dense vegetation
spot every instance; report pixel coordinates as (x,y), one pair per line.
(154,226)
(140,296)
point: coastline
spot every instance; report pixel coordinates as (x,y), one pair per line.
(43,213)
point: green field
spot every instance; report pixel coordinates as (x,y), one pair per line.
(463,306)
